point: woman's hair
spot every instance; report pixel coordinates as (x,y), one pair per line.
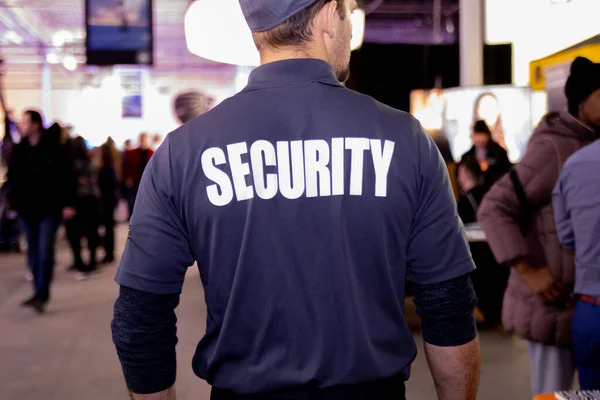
(80,149)
(107,155)
(472,166)
(36,118)
(482,127)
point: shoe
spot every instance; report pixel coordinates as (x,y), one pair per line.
(81,276)
(39,306)
(107,260)
(29,302)
(84,275)
(78,266)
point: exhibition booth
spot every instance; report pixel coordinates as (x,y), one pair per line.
(550,73)
(449,114)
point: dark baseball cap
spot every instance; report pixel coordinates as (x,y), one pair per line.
(264,15)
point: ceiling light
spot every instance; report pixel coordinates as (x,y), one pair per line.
(70,63)
(52,58)
(358,18)
(216,30)
(61,37)
(12,37)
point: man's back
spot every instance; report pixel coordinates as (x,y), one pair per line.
(307,207)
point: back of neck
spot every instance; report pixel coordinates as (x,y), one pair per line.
(274,55)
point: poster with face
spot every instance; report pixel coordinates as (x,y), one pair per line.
(511,113)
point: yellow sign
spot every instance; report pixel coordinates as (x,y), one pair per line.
(537,69)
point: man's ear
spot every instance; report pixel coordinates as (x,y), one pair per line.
(327,20)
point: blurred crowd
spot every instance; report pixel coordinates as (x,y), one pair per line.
(541,217)
(54,177)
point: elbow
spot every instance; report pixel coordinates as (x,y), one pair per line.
(567,242)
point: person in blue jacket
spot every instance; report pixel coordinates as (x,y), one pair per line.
(577,210)
(308,209)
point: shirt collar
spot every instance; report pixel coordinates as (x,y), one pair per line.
(289,72)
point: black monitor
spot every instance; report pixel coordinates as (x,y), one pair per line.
(119,32)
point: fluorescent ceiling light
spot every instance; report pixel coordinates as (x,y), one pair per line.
(61,37)
(216,30)
(358,28)
(52,58)
(70,63)
(12,37)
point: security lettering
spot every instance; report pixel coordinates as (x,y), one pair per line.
(313,168)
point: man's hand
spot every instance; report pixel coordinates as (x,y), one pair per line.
(68,213)
(168,394)
(455,370)
(540,281)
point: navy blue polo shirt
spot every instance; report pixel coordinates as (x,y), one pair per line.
(307,207)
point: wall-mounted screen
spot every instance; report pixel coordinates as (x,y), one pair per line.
(119,32)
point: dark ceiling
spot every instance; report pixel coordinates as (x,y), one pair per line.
(411,21)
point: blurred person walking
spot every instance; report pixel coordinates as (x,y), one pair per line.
(307,207)
(9,226)
(108,184)
(41,189)
(518,220)
(87,219)
(134,163)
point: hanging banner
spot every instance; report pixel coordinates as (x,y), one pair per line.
(132,100)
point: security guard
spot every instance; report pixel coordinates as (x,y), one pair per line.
(308,208)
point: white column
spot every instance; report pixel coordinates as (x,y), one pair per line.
(46,92)
(471,34)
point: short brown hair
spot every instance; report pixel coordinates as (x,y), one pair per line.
(297,30)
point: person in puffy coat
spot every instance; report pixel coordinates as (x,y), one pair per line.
(538,303)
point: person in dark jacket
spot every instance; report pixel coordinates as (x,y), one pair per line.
(492,158)
(134,164)
(86,221)
(42,188)
(108,184)
(9,227)
(489,279)
(470,180)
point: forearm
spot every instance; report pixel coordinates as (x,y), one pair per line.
(168,394)
(455,370)
(144,333)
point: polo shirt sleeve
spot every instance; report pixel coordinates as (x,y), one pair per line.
(438,250)
(158,252)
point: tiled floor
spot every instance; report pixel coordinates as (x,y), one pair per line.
(68,353)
